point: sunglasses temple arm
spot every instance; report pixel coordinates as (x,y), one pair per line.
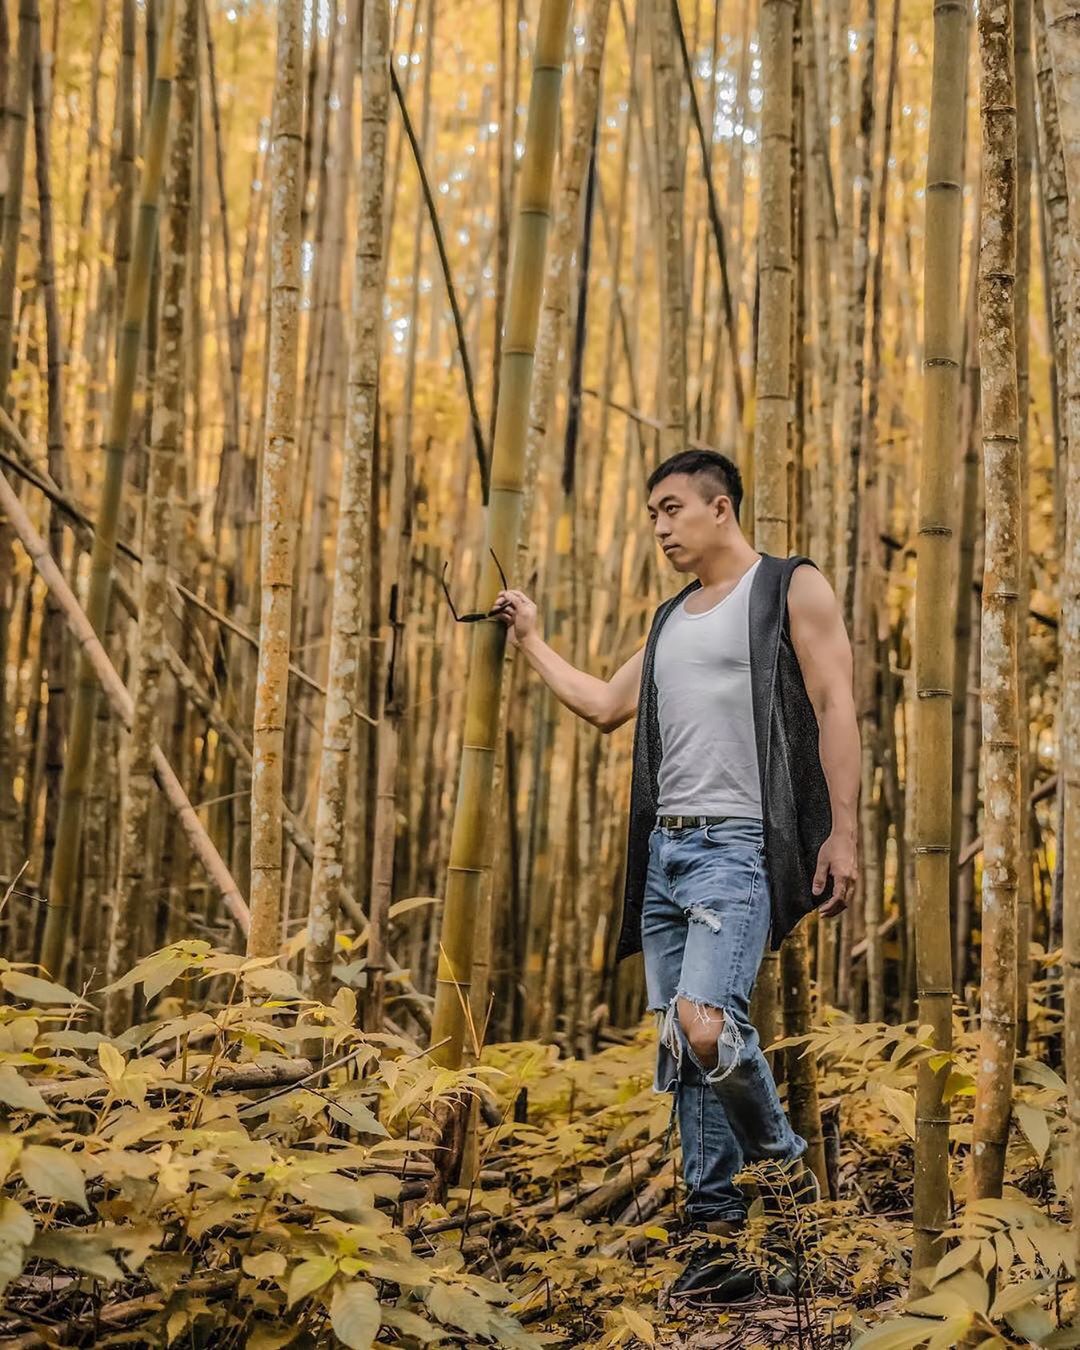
(453,611)
(502,574)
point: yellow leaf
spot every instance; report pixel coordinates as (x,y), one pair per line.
(951,1333)
(111,1061)
(459,1308)
(19,1094)
(16,1225)
(355,1315)
(175,1325)
(412,902)
(10,1148)
(53,1174)
(903,1333)
(85,1252)
(269,1338)
(639,1325)
(33,989)
(1035,1127)
(961,1255)
(309,1276)
(901,1105)
(265,1265)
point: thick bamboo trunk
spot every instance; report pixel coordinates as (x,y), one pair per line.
(1025,151)
(771,508)
(775,282)
(166,443)
(354,519)
(62,884)
(1001,566)
(670,227)
(1063,31)
(821,209)
(504,154)
(856,326)
(1055,202)
(969,524)
(871,581)
(933,644)
(278,470)
(471,817)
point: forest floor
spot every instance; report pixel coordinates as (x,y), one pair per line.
(597,1190)
(193,1181)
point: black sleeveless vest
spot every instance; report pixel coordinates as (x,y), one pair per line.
(796,814)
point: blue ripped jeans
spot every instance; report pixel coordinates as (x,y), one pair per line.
(705,923)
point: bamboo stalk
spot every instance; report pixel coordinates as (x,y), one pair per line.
(856,321)
(278,507)
(551,333)
(715,218)
(356,511)
(166,443)
(1025,150)
(1063,33)
(53,627)
(16,118)
(771,504)
(471,819)
(1000,712)
(933,653)
(62,885)
(670,227)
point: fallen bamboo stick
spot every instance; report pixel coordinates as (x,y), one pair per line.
(244,1078)
(120,700)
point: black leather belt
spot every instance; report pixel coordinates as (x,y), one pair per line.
(688,822)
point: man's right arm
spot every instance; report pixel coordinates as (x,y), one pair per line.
(607,704)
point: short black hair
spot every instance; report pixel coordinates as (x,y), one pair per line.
(722,473)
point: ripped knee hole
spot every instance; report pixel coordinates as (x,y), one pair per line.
(712,1035)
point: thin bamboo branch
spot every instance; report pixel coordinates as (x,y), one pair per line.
(482,457)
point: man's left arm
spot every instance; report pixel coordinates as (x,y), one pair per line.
(824,653)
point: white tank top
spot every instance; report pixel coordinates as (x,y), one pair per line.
(709,763)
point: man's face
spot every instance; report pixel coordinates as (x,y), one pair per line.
(685,524)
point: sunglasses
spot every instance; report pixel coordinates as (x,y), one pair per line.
(477,617)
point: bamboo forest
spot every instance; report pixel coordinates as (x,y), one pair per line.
(440,903)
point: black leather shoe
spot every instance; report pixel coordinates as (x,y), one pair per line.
(783,1277)
(718,1273)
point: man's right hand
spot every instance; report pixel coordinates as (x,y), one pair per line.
(518,613)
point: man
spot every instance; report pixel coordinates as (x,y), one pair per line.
(742,819)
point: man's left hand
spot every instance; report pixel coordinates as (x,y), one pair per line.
(836,858)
